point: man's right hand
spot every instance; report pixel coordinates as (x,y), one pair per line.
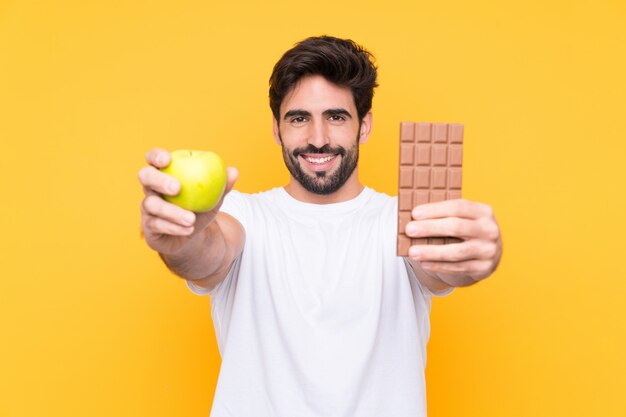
(167,228)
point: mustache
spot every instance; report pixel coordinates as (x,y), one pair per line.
(310,149)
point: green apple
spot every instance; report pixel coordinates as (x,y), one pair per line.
(202,176)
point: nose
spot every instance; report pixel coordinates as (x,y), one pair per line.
(318,136)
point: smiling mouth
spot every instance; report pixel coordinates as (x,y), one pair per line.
(319,163)
(319,160)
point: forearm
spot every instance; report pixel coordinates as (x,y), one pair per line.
(202,257)
(437,281)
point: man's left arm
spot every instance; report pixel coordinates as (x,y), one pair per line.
(439,267)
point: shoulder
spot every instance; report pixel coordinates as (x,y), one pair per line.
(249,198)
(377,197)
(385,205)
(242,205)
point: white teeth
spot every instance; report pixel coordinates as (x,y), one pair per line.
(320,160)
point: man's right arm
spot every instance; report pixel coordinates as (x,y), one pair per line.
(199,247)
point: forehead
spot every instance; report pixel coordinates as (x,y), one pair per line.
(316,94)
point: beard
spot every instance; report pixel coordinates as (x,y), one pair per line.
(322,183)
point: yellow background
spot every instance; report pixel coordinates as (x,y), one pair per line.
(91,323)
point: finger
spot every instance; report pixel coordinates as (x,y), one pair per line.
(157,207)
(157,157)
(148,191)
(489,229)
(452,252)
(233,174)
(159,226)
(455,252)
(452,208)
(150,177)
(476,269)
(452,226)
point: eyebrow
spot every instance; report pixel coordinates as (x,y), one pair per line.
(296,113)
(326,113)
(338,112)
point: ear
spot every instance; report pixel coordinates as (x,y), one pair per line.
(275,131)
(366,128)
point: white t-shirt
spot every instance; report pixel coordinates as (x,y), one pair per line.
(318,316)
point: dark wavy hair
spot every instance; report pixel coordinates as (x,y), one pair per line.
(341,61)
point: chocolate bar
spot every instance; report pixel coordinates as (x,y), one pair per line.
(431,161)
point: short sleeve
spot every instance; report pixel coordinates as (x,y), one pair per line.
(197,290)
(235,204)
(424,288)
(393,225)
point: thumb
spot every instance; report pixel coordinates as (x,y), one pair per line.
(232,174)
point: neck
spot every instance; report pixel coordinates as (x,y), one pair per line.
(351,189)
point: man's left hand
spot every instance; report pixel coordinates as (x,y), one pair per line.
(456,264)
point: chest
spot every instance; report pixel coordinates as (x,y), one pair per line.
(321,268)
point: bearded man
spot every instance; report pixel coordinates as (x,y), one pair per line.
(314,313)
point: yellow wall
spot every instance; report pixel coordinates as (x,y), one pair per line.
(91,324)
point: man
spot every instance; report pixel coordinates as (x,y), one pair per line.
(314,313)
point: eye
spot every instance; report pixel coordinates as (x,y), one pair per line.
(298,120)
(337,118)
